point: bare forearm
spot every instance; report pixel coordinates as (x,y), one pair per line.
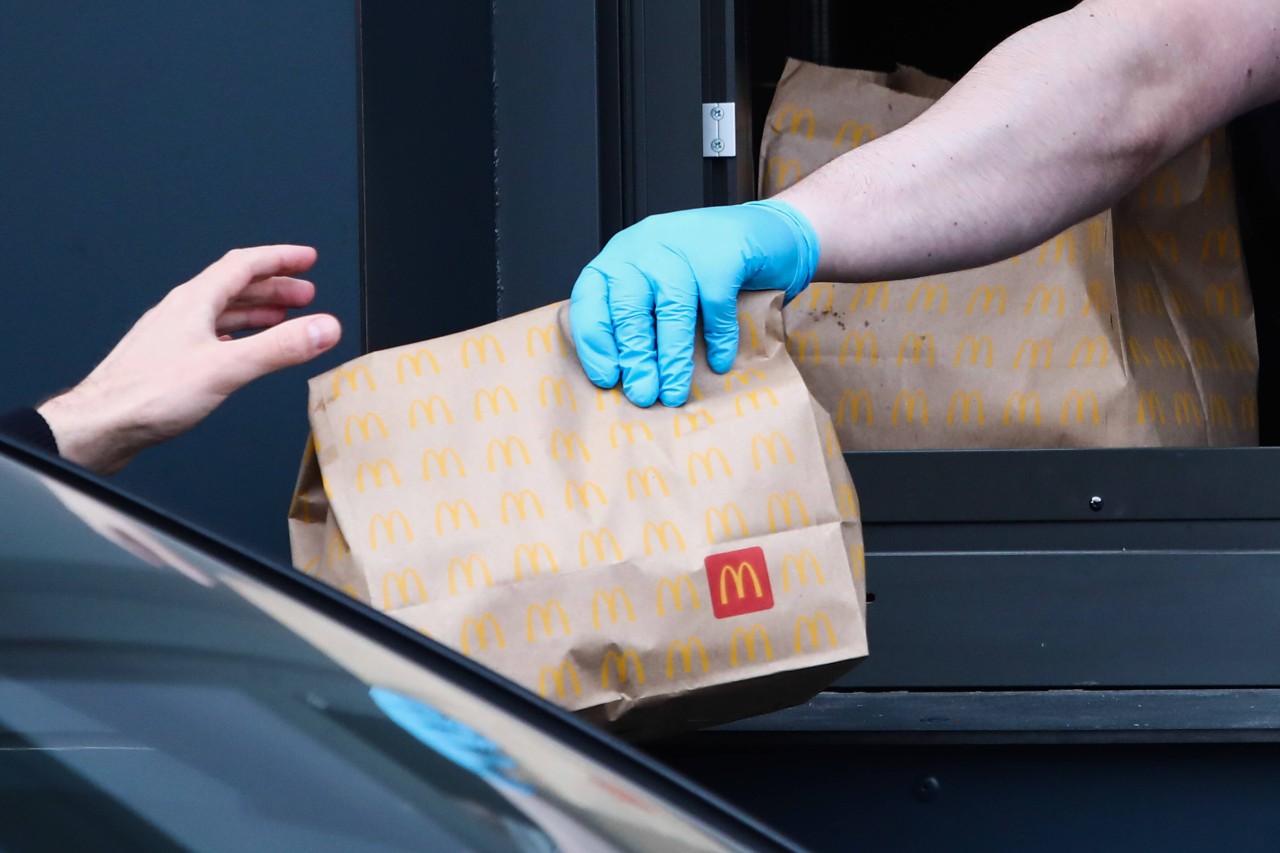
(1055,124)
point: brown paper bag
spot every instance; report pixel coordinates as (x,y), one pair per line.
(655,569)
(1133,328)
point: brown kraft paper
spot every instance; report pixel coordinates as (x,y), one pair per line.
(654,569)
(1132,328)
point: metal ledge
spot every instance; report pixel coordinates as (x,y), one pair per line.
(1040,716)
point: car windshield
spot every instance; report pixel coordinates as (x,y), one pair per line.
(153,697)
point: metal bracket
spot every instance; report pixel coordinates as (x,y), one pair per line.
(719,137)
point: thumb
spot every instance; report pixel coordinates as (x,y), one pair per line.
(286,345)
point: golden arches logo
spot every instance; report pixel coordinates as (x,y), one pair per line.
(920,342)
(906,402)
(694,419)
(801,563)
(1089,346)
(1064,241)
(858,557)
(1021,400)
(352,377)
(847,502)
(338,547)
(1137,354)
(1216,296)
(988,294)
(858,134)
(610,599)
(598,539)
(816,290)
(507,447)
(783,170)
(754,398)
(400,581)
(742,377)
(547,335)
(1097,298)
(797,116)
(365,423)
(747,329)
(1183,304)
(1186,409)
(1249,411)
(665,532)
(482,628)
(1150,303)
(619,661)
(495,401)
(929,291)
(1047,295)
(780,514)
(800,343)
(1238,357)
(571,443)
(1219,411)
(713,455)
(1226,240)
(864,347)
(470,567)
(388,523)
(555,390)
(1080,398)
(1217,186)
(414,362)
(1202,354)
(442,458)
(1034,348)
(428,409)
(770,443)
(515,504)
(686,649)
(1170,354)
(533,553)
(629,429)
(1150,409)
(749,637)
(812,623)
(675,586)
(833,441)
(866,293)
(1161,188)
(584,491)
(639,481)
(454,511)
(559,676)
(545,612)
(724,516)
(854,401)
(375,470)
(965,401)
(977,344)
(481,347)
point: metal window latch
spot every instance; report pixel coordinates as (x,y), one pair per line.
(719,137)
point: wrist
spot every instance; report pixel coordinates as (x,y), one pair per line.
(89,431)
(804,248)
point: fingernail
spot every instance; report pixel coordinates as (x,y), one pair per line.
(323,332)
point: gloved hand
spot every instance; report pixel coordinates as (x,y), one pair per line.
(667,266)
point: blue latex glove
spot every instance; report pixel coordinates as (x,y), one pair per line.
(634,308)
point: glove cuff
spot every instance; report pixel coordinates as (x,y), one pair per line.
(806,242)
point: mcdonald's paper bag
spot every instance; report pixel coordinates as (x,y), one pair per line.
(1133,328)
(655,569)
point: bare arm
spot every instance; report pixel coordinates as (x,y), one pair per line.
(1055,124)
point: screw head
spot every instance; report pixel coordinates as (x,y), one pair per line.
(716,114)
(926,789)
(717,145)
(1095,503)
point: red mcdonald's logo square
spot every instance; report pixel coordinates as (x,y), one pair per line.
(738,582)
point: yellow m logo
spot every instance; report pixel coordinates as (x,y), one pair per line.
(906,403)
(693,419)
(550,389)
(584,492)
(610,601)
(400,581)
(686,648)
(516,504)
(471,567)
(508,450)
(481,347)
(533,554)
(1020,401)
(1034,348)
(352,378)
(930,292)
(619,660)
(665,532)
(414,362)
(365,423)
(388,524)
(797,116)
(1150,408)
(1216,296)
(429,411)
(988,295)
(919,343)
(481,628)
(748,637)
(454,511)
(442,460)
(630,430)
(598,540)
(770,444)
(495,398)
(675,588)
(712,455)
(977,346)
(640,481)
(545,612)
(781,504)
(1080,398)
(854,400)
(858,134)
(864,346)
(375,469)
(1047,295)
(812,623)
(570,443)
(800,563)
(546,334)
(964,400)
(800,343)
(1088,346)
(725,515)
(784,171)
(559,676)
